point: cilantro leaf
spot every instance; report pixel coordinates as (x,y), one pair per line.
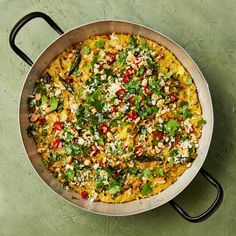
(70,174)
(147,174)
(133,86)
(146,189)
(171,127)
(122,57)
(115,189)
(133,42)
(100,43)
(202,122)
(53,103)
(85,50)
(188,80)
(159,171)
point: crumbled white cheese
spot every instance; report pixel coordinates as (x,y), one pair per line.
(80,141)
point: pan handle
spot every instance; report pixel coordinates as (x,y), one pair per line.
(214,206)
(21,23)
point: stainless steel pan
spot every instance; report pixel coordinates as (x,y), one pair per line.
(107,27)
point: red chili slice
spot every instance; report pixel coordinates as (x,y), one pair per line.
(112,58)
(58,125)
(129,71)
(133,115)
(94,150)
(113,108)
(147,91)
(120,93)
(56,143)
(126,79)
(69,79)
(138,151)
(178,139)
(84,194)
(42,120)
(160,135)
(172,97)
(104,128)
(191,130)
(131,100)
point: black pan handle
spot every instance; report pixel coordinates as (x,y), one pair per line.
(214,206)
(21,23)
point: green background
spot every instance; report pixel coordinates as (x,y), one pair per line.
(206,29)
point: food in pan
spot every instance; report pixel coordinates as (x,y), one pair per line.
(116,118)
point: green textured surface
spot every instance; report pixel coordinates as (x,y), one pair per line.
(206,29)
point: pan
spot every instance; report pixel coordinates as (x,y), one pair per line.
(81,33)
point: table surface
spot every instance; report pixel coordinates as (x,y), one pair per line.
(206,29)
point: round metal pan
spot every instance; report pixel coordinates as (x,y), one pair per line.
(108,27)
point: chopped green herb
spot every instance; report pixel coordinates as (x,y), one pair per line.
(188,80)
(122,57)
(85,50)
(147,174)
(53,103)
(63,159)
(144,44)
(133,42)
(171,127)
(201,122)
(100,43)
(44,132)
(108,72)
(146,189)
(115,189)
(30,130)
(171,162)
(159,171)
(37,139)
(70,174)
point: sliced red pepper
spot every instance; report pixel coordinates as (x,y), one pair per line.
(132,115)
(58,125)
(191,130)
(131,100)
(178,139)
(104,128)
(111,58)
(129,71)
(172,98)
(69,79)
(138,151)
(84,194)
(159,135)
(56,143)
(113,108)
(147,91)
(126,79)
(120,93)
(42,120)
(94,150)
